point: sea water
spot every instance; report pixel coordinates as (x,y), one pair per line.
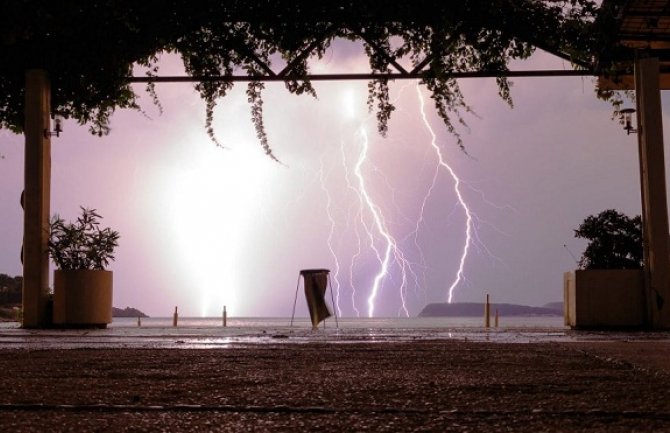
(209,332)
(544,322)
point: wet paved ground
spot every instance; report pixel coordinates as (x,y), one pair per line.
(204,379)
(12,336)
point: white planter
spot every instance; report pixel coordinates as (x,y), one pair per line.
(82,298)
(604,298)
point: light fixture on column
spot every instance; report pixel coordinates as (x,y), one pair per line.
(626,116)
(58,128)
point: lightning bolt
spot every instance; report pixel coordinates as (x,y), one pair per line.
(331,233)
(477,241)
(357,254)
(373,232)
(390,249)
(460,275)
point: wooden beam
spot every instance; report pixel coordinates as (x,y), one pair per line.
(627,82)
(654,200)
(36,200)
(362,76)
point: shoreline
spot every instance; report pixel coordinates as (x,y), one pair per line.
(210,334)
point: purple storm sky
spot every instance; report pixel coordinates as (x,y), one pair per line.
(202,227)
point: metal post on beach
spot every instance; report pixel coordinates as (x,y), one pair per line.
(487,313)
(225,317)
(175,317)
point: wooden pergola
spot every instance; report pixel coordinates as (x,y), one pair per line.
(643,36)
(643,33)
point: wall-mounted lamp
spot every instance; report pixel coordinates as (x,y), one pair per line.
(58,128)
(626,116)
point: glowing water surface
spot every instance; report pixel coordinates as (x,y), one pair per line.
(347,323)
(208,333)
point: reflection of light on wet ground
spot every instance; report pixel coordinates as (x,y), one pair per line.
(11,336)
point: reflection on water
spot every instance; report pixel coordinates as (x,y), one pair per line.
(208,333)
(347,323)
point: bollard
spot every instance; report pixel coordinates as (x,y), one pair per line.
(139,321)
(496,322)
(175,317)
(487,313)
(225,317)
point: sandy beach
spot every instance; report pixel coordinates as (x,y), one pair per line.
(439,386)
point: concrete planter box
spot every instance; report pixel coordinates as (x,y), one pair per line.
(604,298)
(82,298)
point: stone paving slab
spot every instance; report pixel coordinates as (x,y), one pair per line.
(424,385)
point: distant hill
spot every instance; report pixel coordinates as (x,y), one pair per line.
(8,313)
(475,309)
(10,290)
(127,312)
(10,297)
(554,306)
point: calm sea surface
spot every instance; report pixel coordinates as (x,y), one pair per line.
(209,332)
(436,323)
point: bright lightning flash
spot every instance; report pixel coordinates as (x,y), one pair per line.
(391,246)
(372,231)
(331,233)
(461,201)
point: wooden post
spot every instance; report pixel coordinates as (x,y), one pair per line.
(225,317)
(654,201)
(175,317)
(487,313)
(36,200)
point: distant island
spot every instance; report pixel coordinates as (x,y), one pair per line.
(11,295)
(10,313)
(475,309)
(127,312)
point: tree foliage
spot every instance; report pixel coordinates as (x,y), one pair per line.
(10,289)
(90,48)
(615,241)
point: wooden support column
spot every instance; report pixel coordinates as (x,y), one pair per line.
(36,200)
(654,201)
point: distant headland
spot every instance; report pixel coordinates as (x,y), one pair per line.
(475,309)
(127,312)
(11,313)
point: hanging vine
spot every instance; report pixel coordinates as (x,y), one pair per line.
(106,38)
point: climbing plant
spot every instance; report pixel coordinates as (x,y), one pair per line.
(90,48)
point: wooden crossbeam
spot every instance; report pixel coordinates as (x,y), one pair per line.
(363,76)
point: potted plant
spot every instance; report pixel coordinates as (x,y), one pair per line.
(81,252)
(608,289)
